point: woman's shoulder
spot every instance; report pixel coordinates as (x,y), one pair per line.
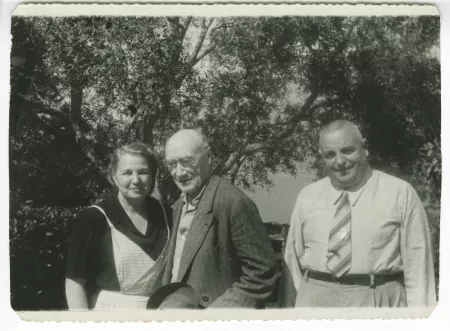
(90,213)
(92,216)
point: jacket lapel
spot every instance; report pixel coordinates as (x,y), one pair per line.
(199,227)
(167,278)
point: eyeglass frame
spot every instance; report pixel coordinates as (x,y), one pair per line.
(172,165)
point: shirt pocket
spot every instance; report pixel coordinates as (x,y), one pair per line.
(384,232)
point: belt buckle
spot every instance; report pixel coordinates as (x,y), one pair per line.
(335,278)
(372,281)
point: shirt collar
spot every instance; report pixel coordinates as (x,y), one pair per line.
(353,197)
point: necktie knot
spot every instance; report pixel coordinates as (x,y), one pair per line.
(344,197)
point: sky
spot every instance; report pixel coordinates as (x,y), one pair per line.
(277,204)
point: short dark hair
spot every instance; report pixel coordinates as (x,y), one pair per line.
(135,148)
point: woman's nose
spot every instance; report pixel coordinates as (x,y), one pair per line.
(135,178)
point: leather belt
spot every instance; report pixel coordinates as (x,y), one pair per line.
(354,279)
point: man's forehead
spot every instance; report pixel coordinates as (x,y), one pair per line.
(183,148)
(186,137)
(343,136)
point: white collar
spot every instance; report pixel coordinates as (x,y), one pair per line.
(353,197)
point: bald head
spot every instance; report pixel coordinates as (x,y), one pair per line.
(188,159)
(194,138)
(350,128)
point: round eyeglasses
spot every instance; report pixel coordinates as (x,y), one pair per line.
(186,163)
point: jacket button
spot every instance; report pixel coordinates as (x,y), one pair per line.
(205,298)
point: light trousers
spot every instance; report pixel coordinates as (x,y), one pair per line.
(316,293)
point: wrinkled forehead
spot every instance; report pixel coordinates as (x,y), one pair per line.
(343,137)
(183,147)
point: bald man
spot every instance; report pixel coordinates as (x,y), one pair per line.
(359,237)
(219,245)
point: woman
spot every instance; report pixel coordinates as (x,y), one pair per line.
(116,247)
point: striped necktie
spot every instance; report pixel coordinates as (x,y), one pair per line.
(339,257)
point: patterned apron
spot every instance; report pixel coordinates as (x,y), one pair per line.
(135,271)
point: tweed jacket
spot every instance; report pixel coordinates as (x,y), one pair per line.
(228,257)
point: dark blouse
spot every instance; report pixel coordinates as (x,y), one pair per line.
(90,253)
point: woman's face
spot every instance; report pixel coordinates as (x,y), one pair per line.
(133,176)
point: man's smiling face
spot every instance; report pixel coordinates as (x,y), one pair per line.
(344,157)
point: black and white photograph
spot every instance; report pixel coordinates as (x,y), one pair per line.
(198,161)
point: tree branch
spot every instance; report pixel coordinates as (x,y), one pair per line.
(212,46)
(187,23)
(237,167)
(176,22)
(80,139)
(304,113)
(345,41)
(82,142)
(204,53)
(200,41)
(251,148)
(134,120)
(55,113)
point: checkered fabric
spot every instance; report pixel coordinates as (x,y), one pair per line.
(135,269)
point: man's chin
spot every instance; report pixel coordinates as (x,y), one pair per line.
(344,181)
(188,188)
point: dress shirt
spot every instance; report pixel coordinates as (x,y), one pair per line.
(389,233)
(187,215)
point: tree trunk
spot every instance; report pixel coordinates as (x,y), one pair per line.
(76,99)
(147,130)
(76,123)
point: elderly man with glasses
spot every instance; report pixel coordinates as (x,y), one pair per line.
(219,245)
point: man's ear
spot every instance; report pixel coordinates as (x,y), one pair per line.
(364,141)
(208,153)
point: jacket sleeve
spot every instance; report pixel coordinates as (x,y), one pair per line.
(257,258)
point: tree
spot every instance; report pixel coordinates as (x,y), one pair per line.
(270,89)
(265,83)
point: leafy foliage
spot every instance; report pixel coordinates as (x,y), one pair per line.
(38,245)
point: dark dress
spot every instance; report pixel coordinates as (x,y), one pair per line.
(90,253)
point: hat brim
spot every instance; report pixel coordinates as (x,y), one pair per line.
(174,295)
